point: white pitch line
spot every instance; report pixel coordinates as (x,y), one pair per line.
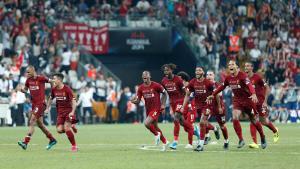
(156,148)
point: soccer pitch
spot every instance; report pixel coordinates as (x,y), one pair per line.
(130,146)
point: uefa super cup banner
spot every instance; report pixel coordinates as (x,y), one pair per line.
(95,40)
(140,40)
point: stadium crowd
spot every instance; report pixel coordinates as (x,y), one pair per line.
(219,29)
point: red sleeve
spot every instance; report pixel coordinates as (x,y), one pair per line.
(69,93)
(210,86)
(159,88)
(261,81)
(221,87)
(248,83)
(139,92)
(180,84)
(190,86)
(43,79)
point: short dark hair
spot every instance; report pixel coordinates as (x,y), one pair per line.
(249,63)
(184,75)
(59,75)
(172,66)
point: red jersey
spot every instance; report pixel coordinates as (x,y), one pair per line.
(64,98)
(151,95)
(201,90)
(241,86)
(259,85)
(36,87)
(174,87)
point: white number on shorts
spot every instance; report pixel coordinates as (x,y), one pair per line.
(36,109)
(223,119)
(178,107)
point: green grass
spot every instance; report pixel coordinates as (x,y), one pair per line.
(118,146)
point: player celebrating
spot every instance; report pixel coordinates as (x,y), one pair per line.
(151,91)
(218,109)
(175,88)
(262,91)
(65,106)
(36,86)
(244,100)
(190,110)
(201,87)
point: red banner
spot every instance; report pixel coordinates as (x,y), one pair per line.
(95,40)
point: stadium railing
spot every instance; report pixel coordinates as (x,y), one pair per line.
(87,58)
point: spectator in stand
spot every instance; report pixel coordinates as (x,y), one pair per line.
(82,7)
(92,72)
(101,85)
(106,10)
(74,58)
(86,100)
(143,7)
(66,61)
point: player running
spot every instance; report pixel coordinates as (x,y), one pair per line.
(244,100)
(190,110)
(262,91)
(202,88)
(65,107)
(175,88)
(218,109)
(36,85)
(151,91)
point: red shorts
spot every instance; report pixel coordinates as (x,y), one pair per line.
(221,118)
(62,118)
(205,110)
(38,110)
(190,116)
(153,114)
(262,110)
(246,106)
(177,106)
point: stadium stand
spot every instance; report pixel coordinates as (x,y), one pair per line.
(215,30)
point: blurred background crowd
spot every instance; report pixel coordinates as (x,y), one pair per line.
(267,32)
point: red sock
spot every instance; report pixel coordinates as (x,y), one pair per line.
(188,127)
(224,132)
(253,132)
(27,139)
(259,129)
(49,136)
(210,126)
(176,129)
(47,133)
(71,137)
(238,129)
(271,127)
(162,137)
(202,131)
(153,129)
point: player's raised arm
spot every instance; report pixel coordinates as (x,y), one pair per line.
(217,91)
